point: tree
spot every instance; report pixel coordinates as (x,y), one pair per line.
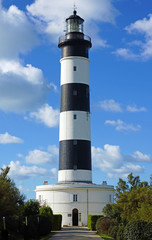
(132,197)
(31,207)
(11,201)
(133,181)
(112,210)
(133,204)
(121,188)
(136,204)
(151,180)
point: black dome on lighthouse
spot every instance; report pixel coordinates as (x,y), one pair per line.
(75,16)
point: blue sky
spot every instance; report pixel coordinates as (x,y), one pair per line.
(120,88)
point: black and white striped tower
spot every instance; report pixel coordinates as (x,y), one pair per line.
(74,136)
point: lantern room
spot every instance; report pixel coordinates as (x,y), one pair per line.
(74,23)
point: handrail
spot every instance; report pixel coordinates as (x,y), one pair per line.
(65,37)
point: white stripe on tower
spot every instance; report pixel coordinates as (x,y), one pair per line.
(79,76)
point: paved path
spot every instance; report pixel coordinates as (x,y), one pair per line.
(75,233)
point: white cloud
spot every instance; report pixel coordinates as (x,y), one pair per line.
(18,171)
(122,126)
(54,87)
(140,157)
(7,138)
(125,170)
(134,108)
(110,160)
(17,33)
(23,190)
(47,115)
(40,157)
(111,106)
(144,52)
(21,88)
(109,157)
(54,150)
(50,15)
(126,54)
(29,73)
(143,26)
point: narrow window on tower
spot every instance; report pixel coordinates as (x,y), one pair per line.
(40,198)
(75,197)
(74,68)
(110,199)
(75,142)
(75,93)
(74,116)
(87,115)
(75,167)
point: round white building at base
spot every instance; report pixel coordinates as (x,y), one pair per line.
(75,201)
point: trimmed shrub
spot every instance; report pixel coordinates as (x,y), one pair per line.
(120,232)
(12,224)
(31,230)
(92,219)
(148,231)
(98,224)
(112,231)
(135,230)
(47,211)
(44,226)
(57,222)
(104,224)
(37,226)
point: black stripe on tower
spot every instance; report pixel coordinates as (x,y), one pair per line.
(74,44)
(75,97)
(75,154)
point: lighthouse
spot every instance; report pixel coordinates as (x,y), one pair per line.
(75,196)
(74,135)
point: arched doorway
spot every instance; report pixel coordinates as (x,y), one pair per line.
(75,217)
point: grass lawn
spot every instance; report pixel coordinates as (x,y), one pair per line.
(105,237)
(16,237)
(47,237)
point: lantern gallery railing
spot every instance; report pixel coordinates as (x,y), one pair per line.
(75,35)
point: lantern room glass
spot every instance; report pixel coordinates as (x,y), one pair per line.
(74,25)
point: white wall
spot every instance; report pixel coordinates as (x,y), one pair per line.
(61,202)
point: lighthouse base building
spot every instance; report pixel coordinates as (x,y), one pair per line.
(75,201)
(75,196)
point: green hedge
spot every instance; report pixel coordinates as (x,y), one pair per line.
(138,230)
(120,232)
(92,219)
(103,224)
(37,226)
(112,231)
(148,231)
(47,211)
(57,221)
